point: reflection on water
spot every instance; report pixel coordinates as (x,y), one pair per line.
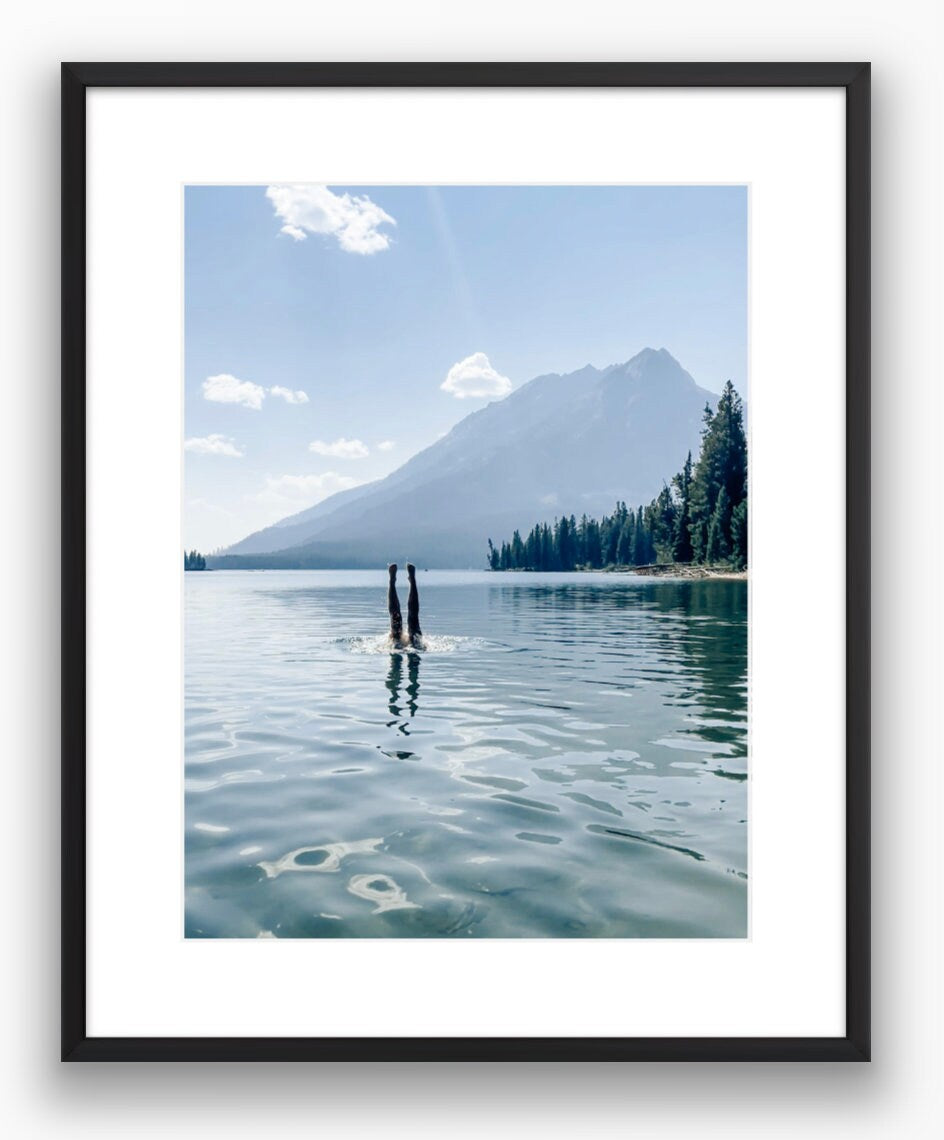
(395,682)
(575,766)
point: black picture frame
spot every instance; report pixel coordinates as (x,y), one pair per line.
(854,78)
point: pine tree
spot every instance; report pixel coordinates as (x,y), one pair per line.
(660,518)
(593,555)
(581,540)
(562,543)
(722,462)
(547,548)
(640,543)
(739,535)
(624,550)
(682,539)
(532,549)
(731,408)
(719,529)
(703,490)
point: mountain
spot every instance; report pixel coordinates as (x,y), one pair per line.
(570,444)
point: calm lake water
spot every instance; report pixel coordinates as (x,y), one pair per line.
(568,758)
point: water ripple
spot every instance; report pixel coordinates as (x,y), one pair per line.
(495,770)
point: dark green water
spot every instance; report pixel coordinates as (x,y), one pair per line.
(568,758)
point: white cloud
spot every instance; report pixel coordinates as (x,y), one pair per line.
(287,492)
(354,221)
(341,448)
(386,445)
(475,378)
(290,397)
(213,445)
(226,389)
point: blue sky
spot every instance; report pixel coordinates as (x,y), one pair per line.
(333,332)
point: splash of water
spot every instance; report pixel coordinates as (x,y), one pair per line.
(434,643)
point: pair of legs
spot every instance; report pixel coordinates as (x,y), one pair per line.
(414,633)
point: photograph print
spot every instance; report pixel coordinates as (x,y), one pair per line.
(465,557)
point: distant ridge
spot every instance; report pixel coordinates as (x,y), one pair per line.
(560,444)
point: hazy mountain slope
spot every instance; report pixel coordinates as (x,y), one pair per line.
(559,444)
(299,527)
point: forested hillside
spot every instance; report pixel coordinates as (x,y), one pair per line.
(701,517)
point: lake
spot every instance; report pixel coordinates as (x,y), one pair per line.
(568,758)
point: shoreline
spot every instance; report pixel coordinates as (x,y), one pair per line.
(678,571)
(681,571)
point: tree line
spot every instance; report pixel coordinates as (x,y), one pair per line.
(700,517)
(193,560)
